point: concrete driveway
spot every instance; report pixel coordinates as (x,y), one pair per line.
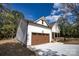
(56,49)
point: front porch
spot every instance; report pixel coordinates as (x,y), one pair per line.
(56,37)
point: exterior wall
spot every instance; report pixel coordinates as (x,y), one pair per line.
(40,22)
(37,29)
(55,28)
(21,32)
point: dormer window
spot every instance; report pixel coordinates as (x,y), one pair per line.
(42,21)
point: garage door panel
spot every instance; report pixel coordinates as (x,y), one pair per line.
(39,38)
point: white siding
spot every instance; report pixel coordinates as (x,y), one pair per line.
(40,22)
(55,28)
(21,32)
(37,29)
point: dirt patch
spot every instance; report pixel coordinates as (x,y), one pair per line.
(12,48)
(8,41)
(71,41)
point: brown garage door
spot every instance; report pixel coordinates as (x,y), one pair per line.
(39,38)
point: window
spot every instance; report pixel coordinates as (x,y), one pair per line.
(42,21)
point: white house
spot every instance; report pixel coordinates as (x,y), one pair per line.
(33,33)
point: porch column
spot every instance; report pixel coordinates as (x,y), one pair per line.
(57,35)
(54,37)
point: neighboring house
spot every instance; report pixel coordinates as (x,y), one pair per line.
(38,32)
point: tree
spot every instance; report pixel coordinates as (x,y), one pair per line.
(18,15)
(68,29)
(9,22)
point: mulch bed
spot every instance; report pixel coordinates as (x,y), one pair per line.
(14,49)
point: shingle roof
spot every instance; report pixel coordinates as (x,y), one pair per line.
(51,24)
(34,23)
(41,18)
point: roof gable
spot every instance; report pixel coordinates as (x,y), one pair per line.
(29,22)
(42,21)
(55,28)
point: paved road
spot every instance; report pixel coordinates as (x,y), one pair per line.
(58,48)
